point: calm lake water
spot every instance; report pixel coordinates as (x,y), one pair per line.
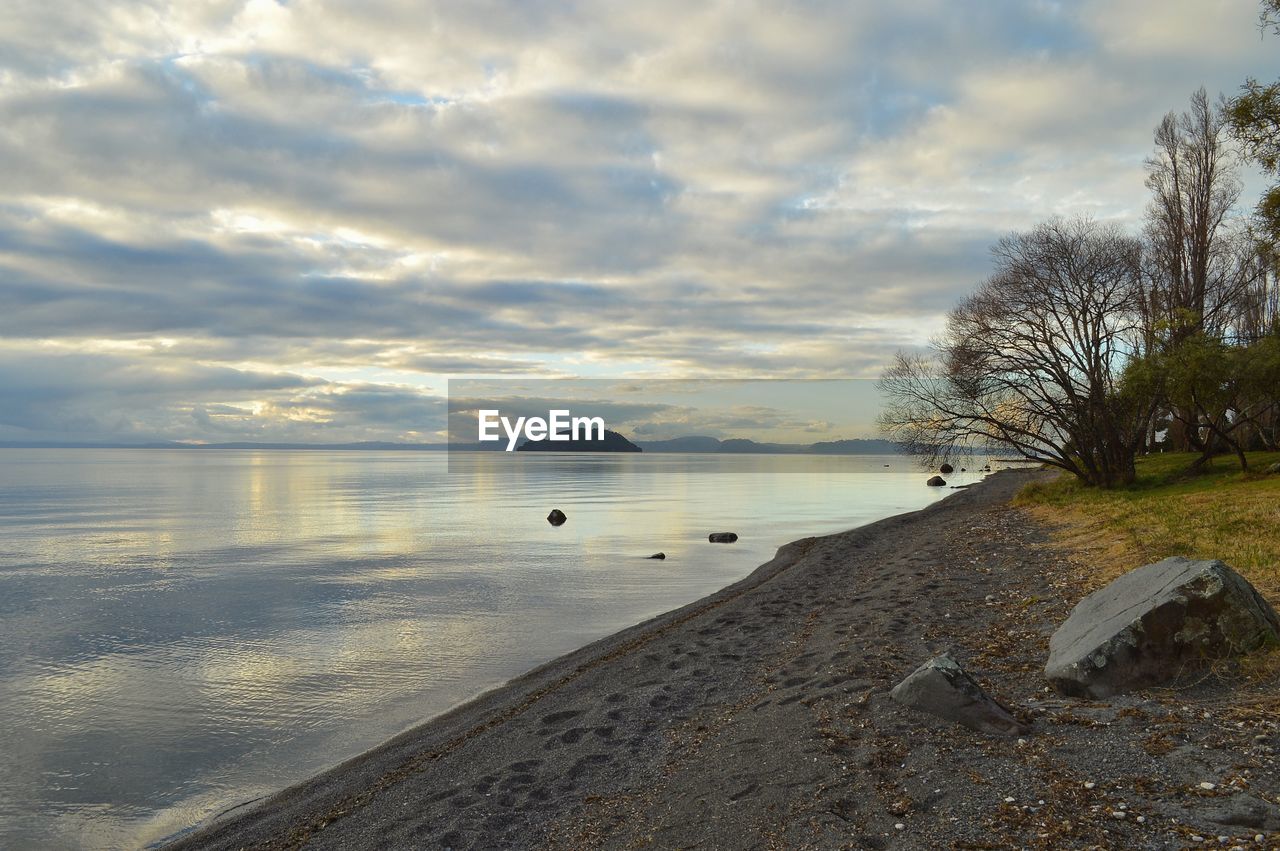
(184,630)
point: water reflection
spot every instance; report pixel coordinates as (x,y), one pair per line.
(183,630)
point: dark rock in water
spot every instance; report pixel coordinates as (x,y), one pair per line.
(963,470)
(658,556)
(722,537)
(941,687)
(1157,622)
(936,482)
(556,517)
(946,469)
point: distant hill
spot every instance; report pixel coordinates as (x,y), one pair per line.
(693,443)
(743,446)
(613,442)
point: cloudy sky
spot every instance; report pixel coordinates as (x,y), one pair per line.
(227,220)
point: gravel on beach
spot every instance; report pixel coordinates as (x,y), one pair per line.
(759,717)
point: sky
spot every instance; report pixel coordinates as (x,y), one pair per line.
(294,221)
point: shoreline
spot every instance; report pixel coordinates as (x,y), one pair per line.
(756,715)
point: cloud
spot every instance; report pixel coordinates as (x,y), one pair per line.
(77,397)
(375,196)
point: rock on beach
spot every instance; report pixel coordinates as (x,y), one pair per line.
(941,687)
(1154,623)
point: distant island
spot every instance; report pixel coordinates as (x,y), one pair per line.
(613,442)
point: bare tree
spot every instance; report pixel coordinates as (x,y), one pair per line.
(1032,361)
(1194,273)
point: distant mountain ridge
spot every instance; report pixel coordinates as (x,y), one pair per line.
(743,446)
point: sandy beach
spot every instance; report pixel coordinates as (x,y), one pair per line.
(759,717)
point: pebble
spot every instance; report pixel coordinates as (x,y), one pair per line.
(1206,785)
(899,826)
(1117,814)
(1089,784)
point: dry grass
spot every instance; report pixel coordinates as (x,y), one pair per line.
(1218,513)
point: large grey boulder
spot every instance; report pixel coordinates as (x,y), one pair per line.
(936,482)
(941,687)
(1156,622)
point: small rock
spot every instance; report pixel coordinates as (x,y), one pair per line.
(942,688)
(1245,810)
(946,469)
(1207,785)
(936,482)
(556,517)
(1117,814)
(1089,784)
(658,556)
(722,537)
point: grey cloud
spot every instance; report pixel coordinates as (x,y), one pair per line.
(370,196)
(76,397)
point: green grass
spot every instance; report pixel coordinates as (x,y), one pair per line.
(1216,513)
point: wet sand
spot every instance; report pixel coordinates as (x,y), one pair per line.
(758,717)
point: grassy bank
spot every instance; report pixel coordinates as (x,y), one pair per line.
(1218,513)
